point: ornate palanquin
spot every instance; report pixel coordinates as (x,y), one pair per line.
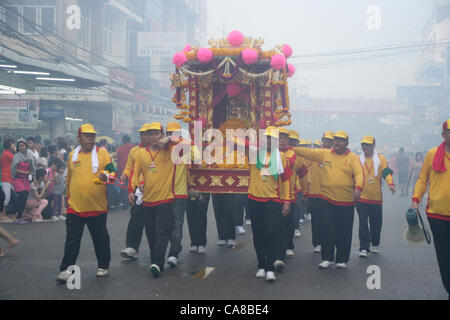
(227,86)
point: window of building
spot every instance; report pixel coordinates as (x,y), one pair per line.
(48,19)
(30,19)
(12,14)
(85,31)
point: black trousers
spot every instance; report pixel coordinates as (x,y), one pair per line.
(21,200)
(47,213)
(99,235)
(159,223)
(370,222)
(239,201)
(223,212)
(336,228)
(287,230)
(135,228)
(315,221)
(441,238)
(266,221)
(196,213)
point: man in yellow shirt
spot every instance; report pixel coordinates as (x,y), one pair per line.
(369,206)
(87,202)
(295,167)
(314,192)
(154,172)
(435,175)
(181,195)
(341,183)
(136,223)
(268,201)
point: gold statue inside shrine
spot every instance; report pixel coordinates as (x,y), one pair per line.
(237,108)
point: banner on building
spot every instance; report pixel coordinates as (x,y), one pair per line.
(19,114)
(160,44)
(122,119)
(146,114)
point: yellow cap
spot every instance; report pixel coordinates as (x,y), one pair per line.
(144,127)
(173,126)
(283,130)
(368,140)
(293,135)
(302,141)
(341,134)
(328,135)
(446,125)
(308,142)
(272,131)
(151,126)
(318,143)
(87,128)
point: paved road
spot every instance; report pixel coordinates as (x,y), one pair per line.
(407,271)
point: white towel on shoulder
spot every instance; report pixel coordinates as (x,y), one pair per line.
(376,162)
(94,157)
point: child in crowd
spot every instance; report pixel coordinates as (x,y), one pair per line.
(36,201)
(58,191)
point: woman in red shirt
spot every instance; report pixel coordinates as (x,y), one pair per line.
(5,164)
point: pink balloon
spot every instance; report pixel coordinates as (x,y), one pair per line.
(278,62)
(250,56)
(188,48)
(204,55)
(235,38)
(287,50)
(291,69)
(179,59)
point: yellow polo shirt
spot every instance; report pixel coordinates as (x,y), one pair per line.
(438,205)
(269,189)
(372,193)
(341,174)
(85,198)
(158,183)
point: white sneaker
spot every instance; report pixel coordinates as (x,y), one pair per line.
(308,216)
(55,218)
(61,217)
(297,233)
(193,249)
(318,249)
(201,249)
(279,265)
(341,265)
(301,220)
(248,222)
(63,276)
(374,249)
(325,264)
(101,272)
(172,262)
(240,230)
(363,254)
(261,273)
(289,253)
(231,243)
(222,243)
(270,276)
(129,253)
(154,269)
